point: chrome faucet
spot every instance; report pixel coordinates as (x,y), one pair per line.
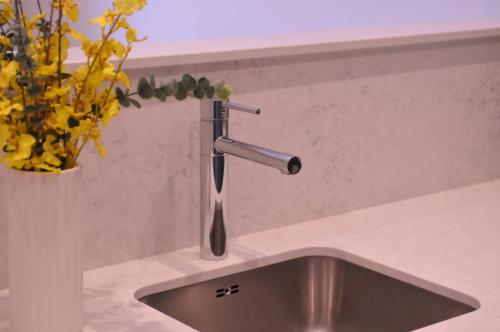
(214,145)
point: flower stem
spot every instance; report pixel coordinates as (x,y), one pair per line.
(94,61)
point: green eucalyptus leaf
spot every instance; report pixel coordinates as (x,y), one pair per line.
(29,109)
(41,108)
(10,93)
(23,80)
(134,102)
(95,109)
(36,123)
(144,89)
(199,92)
(152,81)
(223,91)
(27,63)
(210,92)
(38,148)
(182,92)
(218,87)
(63,76)
(22,59)
(122,98)
(73,122)
(16,40)
(35,108)
(169,89)
(160,95)
(35,90)
(204,83)
(189,82)
(15,30)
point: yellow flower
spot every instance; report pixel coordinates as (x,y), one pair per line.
(51,159)
(57,92)
(128,7)
(108,71)
(118,48)
(54,48)
(59,118)
(6,107)
(48,155)
(7,73)
(131,35)
(5,41)
(69,110)
(80,130)
(7,11)
(95,135)
(122,77)
(31,23)
(105,20)
(70,9)
(109,110)
(9,160)
(100,148)
(39,164)
(48,70)
(77,35)
(25,144)
(4,135)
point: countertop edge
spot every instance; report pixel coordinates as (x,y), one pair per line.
(151,55)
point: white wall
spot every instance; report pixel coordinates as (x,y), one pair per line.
(166,20)
(201,18)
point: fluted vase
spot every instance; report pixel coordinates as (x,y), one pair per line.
(44,251)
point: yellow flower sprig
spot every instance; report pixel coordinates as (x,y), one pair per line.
(47,114)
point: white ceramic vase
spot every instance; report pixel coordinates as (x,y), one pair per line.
(45,249)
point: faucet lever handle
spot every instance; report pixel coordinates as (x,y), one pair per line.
(242,108)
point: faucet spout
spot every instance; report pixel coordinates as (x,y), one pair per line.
(287,163)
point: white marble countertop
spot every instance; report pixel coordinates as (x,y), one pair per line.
(447,242)
(149,55)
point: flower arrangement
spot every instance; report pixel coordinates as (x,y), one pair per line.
(47,113)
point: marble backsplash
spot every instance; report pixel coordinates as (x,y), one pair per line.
(371,127)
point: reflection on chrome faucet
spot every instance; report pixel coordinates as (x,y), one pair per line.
(214,146)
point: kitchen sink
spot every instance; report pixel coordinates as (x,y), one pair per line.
(313,293)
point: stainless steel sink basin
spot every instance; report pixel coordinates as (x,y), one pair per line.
(314,293)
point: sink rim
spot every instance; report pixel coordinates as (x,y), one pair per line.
(258,262)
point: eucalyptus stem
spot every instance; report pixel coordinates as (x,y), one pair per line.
(16,9)
(39,6)
(59,50)
(21,11)
(49,34)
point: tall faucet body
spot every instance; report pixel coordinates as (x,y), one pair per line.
(215,145)
(213,181)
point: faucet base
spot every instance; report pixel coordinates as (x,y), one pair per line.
(209,256)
